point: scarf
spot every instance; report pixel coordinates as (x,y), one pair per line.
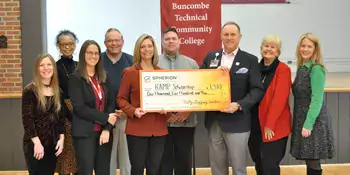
(268,72)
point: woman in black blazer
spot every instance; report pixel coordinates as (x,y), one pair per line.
(93,112)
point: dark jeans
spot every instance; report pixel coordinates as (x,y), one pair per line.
(145,152)
(177,154)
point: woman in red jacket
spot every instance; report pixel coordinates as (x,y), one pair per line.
(271,118)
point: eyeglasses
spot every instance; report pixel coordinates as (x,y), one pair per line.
(67,44)
(113,40)
(92,53)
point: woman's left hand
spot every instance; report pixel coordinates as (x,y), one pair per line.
(59,147)
(104,138)
(305,133)
(268,133)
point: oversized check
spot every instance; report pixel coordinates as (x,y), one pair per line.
(184,90)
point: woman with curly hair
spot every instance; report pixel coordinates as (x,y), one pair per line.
(66,42)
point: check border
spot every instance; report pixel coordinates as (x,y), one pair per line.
(183,70)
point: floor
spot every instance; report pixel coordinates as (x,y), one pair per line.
(328,169)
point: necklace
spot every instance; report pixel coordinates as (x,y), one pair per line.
(64,67)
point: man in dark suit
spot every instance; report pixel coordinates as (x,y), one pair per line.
(229,129)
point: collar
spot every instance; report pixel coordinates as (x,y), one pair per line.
(139,67)
(67,59)
(308,64)
(110,59)
(234,53)
(170,58)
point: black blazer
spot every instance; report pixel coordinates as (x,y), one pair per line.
(246,90)
(85,115)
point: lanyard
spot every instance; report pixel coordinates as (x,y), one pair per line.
(98,89)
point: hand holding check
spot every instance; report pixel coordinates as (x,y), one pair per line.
(139,112)
(182,116)
(224,68)
(120,114)
(172,117)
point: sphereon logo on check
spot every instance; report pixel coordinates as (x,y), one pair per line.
(147,79)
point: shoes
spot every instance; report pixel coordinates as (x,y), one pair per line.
(313,172)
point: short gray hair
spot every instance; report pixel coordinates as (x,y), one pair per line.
(111,30)
(232,23)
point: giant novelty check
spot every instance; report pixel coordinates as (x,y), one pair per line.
(184,90)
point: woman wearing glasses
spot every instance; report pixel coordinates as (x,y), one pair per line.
(66,42)
(93,112)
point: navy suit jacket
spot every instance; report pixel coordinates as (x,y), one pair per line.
(246,90)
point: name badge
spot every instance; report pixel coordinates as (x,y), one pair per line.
(214,63)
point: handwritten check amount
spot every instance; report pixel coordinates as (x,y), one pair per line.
(184,90)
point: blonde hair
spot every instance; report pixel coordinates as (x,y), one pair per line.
(37,81)
(316,58)
(272,39)
(137,55)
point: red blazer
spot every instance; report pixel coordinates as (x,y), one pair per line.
(274,110)
(150,124)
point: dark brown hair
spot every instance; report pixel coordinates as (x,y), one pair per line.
(170,29)
(100,73)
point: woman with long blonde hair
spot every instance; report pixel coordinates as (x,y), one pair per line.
(43,118)
(312,134)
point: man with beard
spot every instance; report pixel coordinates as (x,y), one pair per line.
(114,63)
(177,152)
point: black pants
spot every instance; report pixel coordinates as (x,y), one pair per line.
(145,152)
(93,156)
(267,155)
(177,154)
(45,166)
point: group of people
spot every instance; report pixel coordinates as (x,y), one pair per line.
(84,117)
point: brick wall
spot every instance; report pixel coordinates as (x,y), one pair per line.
(10,58)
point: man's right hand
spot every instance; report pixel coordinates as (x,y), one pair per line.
(112,118)
(120,114)
(182,116)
